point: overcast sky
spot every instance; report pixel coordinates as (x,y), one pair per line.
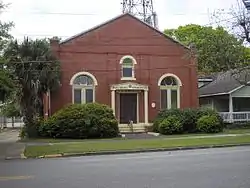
(33,17)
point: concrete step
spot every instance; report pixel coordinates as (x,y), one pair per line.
(137,125)
(128,129)
(134,131)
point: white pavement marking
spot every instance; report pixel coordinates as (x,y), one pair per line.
(9,178)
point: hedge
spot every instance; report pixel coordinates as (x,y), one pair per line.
(209,124)
(79,121)
(187,117)
(171,125)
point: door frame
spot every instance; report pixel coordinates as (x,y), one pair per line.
(137,104)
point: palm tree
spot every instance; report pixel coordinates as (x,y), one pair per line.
(36,71)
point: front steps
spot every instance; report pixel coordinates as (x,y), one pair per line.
(137,128)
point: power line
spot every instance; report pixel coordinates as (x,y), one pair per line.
(94,14)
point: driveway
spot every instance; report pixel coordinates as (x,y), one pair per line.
(9,147)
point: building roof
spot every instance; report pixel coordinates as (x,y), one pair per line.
(223,83)
(116,18)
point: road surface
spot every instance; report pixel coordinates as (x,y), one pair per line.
(210,168)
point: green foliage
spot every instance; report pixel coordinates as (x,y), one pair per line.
(163,114)
(31,131)
(217,49)
(171,125)
(36,70)
(210,112)
(22,133)
(5,28)
(11,110)
(209,124)
(187,117)
(90,120)
(6,83)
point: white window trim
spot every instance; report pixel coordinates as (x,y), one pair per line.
(126,66)
(86,74)
(83,93)
(169,89)
(170,75)
(82,87)
(169,94)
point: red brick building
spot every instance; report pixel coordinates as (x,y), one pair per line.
(128,65)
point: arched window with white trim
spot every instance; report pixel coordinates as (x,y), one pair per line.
(128,68)
(83,88)
(169,91)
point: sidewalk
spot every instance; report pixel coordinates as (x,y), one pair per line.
(9,147)
(210,136)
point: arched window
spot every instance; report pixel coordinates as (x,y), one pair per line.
(83,88)
(170,91)
(128,63)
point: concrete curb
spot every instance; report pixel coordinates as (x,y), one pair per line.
(139,151)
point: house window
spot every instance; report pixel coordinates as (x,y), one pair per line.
(83,88)
(127,66)
(169,92)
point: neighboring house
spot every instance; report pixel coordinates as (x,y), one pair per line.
(227,95)
(128,65)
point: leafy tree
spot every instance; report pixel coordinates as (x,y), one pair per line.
(6,84)
(217,49)
(37,72)
(237,22)
(11,110)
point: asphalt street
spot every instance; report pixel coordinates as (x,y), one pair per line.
(207,168)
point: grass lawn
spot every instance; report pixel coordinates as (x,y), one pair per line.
(51,140)
(98,146)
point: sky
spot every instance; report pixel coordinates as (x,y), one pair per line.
(64,18)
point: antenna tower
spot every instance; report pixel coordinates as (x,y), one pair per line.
(143,9)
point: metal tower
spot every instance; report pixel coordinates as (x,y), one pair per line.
(247,4)
(143,9)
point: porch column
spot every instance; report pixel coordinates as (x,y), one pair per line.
(231,108)
(146,106)
(113,101)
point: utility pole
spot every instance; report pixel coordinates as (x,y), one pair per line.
(142,9)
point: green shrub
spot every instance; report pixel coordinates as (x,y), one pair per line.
(189,119)
(171,125)
(209,124)
(22,133)
(163,114)
(90,120)
(210,112)
(31,130)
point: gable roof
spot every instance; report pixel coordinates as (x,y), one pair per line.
(222,84)
(116,18)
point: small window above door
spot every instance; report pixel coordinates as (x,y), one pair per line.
(128,68)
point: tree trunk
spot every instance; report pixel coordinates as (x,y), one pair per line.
(12,119)
(4,122)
